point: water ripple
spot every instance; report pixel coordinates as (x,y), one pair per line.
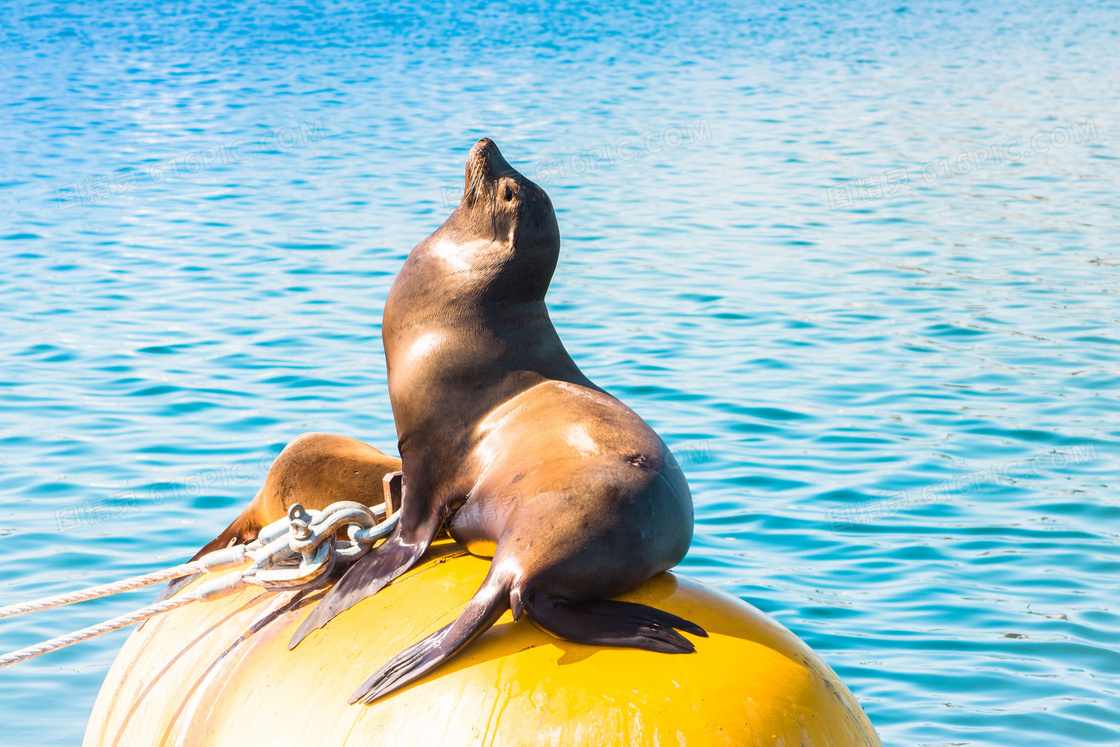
(897,414)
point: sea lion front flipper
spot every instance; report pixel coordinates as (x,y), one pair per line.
(484,609)
(608,622)
(365,578)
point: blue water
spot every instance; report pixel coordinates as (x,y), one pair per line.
(894,392)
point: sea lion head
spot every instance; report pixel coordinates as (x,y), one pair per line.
(509,223)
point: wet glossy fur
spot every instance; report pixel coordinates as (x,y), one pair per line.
(571,493)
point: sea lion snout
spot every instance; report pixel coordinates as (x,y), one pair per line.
(486,166)
(486,156)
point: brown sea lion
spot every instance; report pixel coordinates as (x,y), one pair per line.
(504,439)
(314,470)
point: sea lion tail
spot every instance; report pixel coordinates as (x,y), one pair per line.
(488,604)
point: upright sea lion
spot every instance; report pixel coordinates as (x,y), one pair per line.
(314,470)
(502,437)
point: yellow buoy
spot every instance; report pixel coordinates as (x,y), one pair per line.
(220,673)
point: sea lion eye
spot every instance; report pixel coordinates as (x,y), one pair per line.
(509,191)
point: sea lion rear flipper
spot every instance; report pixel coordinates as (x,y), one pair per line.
(484,609)
(608,622)
(364,579)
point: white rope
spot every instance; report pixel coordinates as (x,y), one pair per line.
(96,592)
(306,537)
(95,630)
(213,589)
